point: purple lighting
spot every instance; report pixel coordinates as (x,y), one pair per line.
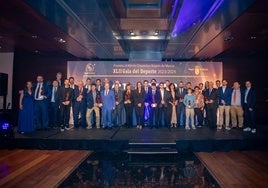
(5,126)
(193,12)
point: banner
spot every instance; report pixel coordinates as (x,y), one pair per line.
(125,71)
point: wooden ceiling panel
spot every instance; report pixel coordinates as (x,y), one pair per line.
(143,24)
(143,13)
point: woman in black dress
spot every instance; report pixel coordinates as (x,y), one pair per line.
(139,98)
(128,104)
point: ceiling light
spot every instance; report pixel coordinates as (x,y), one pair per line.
(131,33)
(60,40)
(34,36)
(37,51)
(252,37)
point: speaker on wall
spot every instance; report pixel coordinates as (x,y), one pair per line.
(3,84)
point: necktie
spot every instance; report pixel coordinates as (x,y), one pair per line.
(234,97)
(210,91)
(106,92)
(37,92)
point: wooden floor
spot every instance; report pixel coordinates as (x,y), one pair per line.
(37,168)
(237,168)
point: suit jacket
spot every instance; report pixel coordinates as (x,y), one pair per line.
(242,97)
(90,100)
(139,97)
(77,93)
(214,95)
(166,97)
(147,95)
(65,94)
(181,95)
(56,95)
(226,96)
(131,97)
(151,95)
(171,99)
(251,98)
(46,90)
(119,96)
(108,100)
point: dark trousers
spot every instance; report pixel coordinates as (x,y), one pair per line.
(167,116)
(41,114)
(79,107)
(199,114)
(181,114)
(117,115)
(153,117)
(129,113)
(139,115)
(64,115)
(212,116)
(54,114)
(249,117)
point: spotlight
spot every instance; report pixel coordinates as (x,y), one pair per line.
(131,33)
(6,130)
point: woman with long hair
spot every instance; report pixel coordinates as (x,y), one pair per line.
(139,98)
(26,112)
(128,104)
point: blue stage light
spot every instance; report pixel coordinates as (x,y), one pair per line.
(6,130)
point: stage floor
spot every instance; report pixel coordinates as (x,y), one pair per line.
(201,139)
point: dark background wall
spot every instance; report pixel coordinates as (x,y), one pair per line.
(27,66)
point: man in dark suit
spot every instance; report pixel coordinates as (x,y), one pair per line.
(181,92)
(249,107)
(94,103)
(59,79)
(41,95)
(54,105)
(211,100)
(65,99)
(153,101)
(80,93)
(163,96)
(72,86)
(108,101)
(117,113)
(147,107)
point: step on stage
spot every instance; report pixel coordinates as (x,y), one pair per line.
(134,141)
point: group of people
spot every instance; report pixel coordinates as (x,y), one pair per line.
(104,105)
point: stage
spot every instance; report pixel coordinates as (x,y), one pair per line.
(125,139)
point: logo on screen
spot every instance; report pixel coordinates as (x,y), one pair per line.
(197,70)
(90,69)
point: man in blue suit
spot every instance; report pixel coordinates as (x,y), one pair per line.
(80,94)
(249,108)
(41,95)
(108,100)
(225,95)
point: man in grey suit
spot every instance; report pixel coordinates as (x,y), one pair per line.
(108,100)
